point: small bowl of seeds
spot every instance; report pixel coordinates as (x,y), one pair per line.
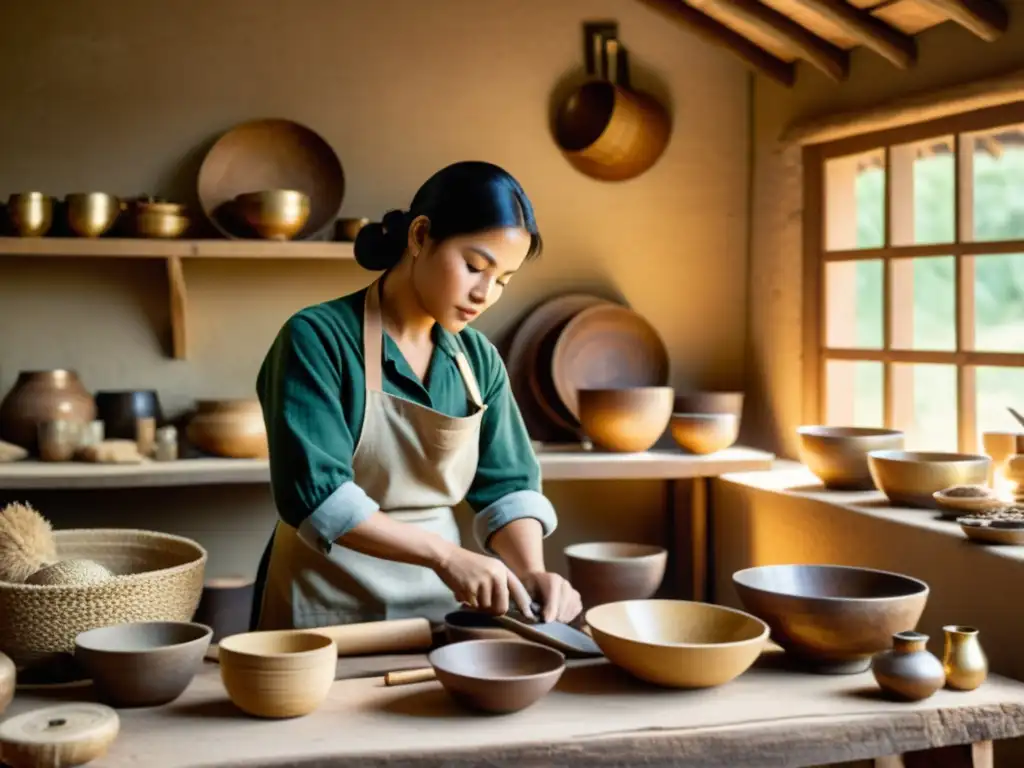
(955,501)
(1001,526)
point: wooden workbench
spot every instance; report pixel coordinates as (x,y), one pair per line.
(597,717)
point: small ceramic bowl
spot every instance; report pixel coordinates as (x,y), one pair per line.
(704,433)
(610,571)
(142,664)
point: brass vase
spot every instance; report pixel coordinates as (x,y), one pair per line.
(963,660)
(41,396)
(908,671)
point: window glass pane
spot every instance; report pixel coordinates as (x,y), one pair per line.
(998,183)
(854,393)
(997,389)
(999,303)
(922,196)
(855,201)
(853,304)
(925,405)
(922,293)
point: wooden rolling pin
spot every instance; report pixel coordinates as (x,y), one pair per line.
(372,637)
(410,676)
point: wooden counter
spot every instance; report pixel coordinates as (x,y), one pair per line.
(596,717)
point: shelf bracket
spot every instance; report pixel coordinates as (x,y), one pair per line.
(178,303)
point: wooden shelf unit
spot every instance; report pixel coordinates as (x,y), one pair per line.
(175,253)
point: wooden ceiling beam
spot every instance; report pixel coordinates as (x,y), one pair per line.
(898,48)
(833,61)
(718,34)
(987,19)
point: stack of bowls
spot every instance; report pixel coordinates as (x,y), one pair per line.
(706,422)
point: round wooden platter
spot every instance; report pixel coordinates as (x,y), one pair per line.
(607,346)
(271,154)
(544,420)
(59,736)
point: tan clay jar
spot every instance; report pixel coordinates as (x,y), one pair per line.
(40,396)
(230,428)
(908,671)
(963,659)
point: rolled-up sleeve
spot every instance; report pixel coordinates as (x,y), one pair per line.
(311,445)
(507,486)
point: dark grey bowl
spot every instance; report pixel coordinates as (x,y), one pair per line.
(119,409)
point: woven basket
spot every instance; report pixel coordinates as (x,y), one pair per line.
(157,577)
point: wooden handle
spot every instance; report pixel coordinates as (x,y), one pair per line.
(409,676)
(380,636)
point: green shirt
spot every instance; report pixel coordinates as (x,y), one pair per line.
(312,387)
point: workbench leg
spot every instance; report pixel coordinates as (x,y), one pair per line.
(978,755)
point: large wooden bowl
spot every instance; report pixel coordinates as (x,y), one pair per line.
(498,676)
(911,478)
(277,674)
(832,619)
(677,643)
(628,420)
(838,456)
(612,571)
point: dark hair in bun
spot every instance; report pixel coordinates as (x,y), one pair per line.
(460,199)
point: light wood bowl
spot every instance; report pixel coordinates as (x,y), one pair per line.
(233,429)
(628,420)
(704,433)
(710,401)
(910,478)
(498,676)
(831,619)
(609,571)
(277,674)
(953,507)
(838,456)
(676,643)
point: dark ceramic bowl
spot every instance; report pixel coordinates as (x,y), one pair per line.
(119,409)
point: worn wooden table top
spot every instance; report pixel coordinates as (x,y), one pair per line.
(596,717)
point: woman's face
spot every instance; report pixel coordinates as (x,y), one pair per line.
(458,278)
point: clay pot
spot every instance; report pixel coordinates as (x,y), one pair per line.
(7,681)
(608,571)
(963,659)
(229,428)
(626,419)
(40,396)
(908,671)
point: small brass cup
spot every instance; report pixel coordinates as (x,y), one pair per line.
(275,214)
(31,213)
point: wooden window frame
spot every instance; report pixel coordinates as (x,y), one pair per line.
(817,257)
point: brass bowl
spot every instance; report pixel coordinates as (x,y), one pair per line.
(346,230)
(91,214)
(160,224)
(30,213)
(838,456)
(275,214)
(909,478)
(831,619)
(704,433)
(627,420)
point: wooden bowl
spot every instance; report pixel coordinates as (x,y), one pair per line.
(274,214)
(677,643)
(910,478)
(838,456)
(271,154)
(230,428)
(497,676)
(704,433)
(460,626)
(142,664)
(609,571)
(953,507)
(992,531)
(832,619)
(277,674)
(628,420)
(710,402)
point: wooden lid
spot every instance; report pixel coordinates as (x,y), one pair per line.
(71,734)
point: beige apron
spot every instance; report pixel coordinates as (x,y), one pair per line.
(416,463)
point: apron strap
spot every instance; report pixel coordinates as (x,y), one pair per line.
(373,339)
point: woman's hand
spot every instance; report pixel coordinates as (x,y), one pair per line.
(481,582)
(559,600)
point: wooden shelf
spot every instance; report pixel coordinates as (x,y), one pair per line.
(175,252)
(557,463)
